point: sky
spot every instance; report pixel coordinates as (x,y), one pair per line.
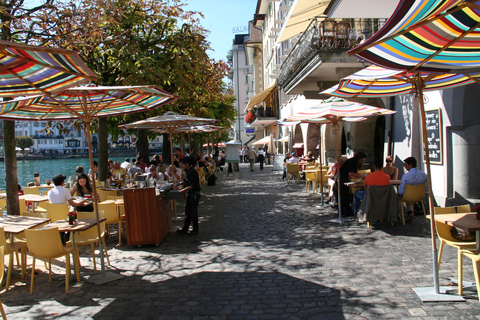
(224,19)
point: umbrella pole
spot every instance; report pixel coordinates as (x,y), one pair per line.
(335,126)
(419,84)
(321,163)
(171,154)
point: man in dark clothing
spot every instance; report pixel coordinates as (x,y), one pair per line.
(193,188)
(349,170)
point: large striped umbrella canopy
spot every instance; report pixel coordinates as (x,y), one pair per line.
(86,103)
(169,123)
(31,70)
(427,35)
(333,111)
(437,36)
(375,81)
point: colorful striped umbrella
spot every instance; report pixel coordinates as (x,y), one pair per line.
(31,70)
(169,123)
(333,111)
(427,35)
(86,103)
(437,36)
(375,81)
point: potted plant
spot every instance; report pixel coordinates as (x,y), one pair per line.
(72,217)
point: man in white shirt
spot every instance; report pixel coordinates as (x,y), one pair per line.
(60,195)
(293,159)
(126,164)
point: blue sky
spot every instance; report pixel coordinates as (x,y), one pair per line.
(221,17)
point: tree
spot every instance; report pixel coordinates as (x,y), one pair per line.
(131,42)
(23,142)
(20,23)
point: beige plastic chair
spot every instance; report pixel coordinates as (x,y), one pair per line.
(103,194)
(57,212)
(201,176)
(463,208)
(113,216)
(2,262)
(413,194)
(321,179)
(10,249)
(475,256)
(309,178)
(90,236)
(445,236)
(293,168)
(31,190)
(46,244)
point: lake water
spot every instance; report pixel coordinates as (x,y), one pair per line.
(47,169)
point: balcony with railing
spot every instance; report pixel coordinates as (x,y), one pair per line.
(325,41)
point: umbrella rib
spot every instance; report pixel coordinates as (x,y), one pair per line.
(24,59)
(460,37)
(420,24)
(11,65)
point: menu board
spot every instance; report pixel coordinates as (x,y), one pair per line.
(434,135)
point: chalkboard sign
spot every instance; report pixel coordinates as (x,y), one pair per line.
(233,167)
(434,136)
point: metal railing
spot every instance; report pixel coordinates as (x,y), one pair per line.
(323,35)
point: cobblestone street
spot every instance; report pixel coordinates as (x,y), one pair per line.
(264,251)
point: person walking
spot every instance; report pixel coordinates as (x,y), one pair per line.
(251,158)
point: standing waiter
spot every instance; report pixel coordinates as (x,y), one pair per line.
(192,183)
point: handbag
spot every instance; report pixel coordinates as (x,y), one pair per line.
(462,235)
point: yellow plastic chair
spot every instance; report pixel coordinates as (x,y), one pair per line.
(103,194)
(57,212)
(22,204)
(121,209)
(46,244)
(475,256)
(464,208)
(10,249)
(309,178)
(31,190)
(3,204)
(321,179)
(113,216)
(201,176)
(445,236)
(90,236)
(2,262)
(413,194)
(293,168)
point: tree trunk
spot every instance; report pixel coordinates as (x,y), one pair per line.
(141,146)
(166,156)
(102,149)
(11,178)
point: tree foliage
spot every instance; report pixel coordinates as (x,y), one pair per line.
(23,142)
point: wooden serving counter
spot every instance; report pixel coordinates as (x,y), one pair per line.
(148,217)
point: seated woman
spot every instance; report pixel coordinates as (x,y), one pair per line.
(173,174)
(81,188)
(390,169)
(308,157)
(332,176)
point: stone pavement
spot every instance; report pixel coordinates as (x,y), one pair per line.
(264,251)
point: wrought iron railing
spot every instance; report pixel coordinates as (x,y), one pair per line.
(326,35)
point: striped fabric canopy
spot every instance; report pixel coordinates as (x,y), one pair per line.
(333,112)
(427,35)
(32,70)
(85,103)
(376,81)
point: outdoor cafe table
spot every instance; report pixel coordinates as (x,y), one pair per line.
(17,224)
(34,198)
(465,221)
(357,184)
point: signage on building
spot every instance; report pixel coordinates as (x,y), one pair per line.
(434,135)
(243,29)
(250,130)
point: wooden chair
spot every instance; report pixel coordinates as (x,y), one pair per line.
(445,236)
(413,194)
(2,262)
(46,244)
(293,169)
